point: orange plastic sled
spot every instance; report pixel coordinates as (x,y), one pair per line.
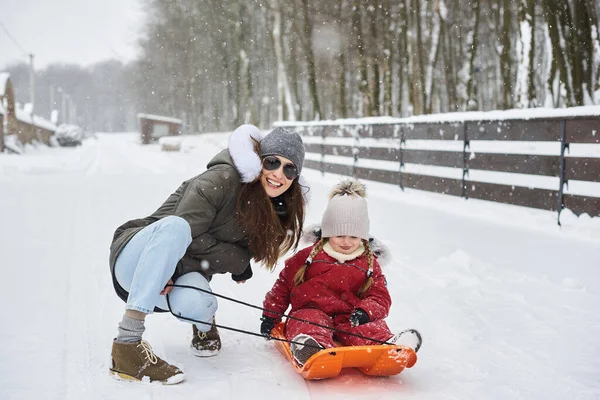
(377,360)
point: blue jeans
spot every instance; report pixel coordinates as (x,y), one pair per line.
(148,261)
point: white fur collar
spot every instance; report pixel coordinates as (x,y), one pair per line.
(341,257)
(312,234)
(247,162)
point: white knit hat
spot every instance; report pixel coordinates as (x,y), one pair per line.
(347,213)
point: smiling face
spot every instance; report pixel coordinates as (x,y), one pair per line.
(274,182)
(344,244)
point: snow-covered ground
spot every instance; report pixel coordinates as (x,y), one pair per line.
(507,301)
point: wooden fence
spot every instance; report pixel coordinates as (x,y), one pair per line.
(565,130)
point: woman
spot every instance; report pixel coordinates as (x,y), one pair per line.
(247,205)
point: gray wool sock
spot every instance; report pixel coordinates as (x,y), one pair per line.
(130,330)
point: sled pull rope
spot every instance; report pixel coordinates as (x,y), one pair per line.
(262,309)
(236,329)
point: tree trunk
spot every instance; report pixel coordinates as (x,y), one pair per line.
(374,56)
(403,59)
(295,44)
(532,95)
(343,107)
(471,103)
(310,60)
(505,56)
(420,50)
(433,58)
(282,79)
(559,52)
(386,13)
(362,61)
(449,67)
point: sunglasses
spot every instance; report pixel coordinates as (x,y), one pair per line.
(272,163)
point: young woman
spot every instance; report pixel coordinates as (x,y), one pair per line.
(247,205)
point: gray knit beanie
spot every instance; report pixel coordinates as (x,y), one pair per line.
(347,213)
(284,143)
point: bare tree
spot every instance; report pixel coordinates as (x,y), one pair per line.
(282,79)
(352,58)
(506,62)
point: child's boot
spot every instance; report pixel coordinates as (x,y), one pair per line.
(409,338)
(305,347)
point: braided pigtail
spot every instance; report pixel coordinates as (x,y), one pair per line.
(299,277)
(370,261)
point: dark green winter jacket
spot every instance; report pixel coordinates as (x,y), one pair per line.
(208,203)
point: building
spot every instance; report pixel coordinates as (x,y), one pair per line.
(7,108)
(153,127)
(15,121)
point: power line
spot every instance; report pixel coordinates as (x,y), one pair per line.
(12,38)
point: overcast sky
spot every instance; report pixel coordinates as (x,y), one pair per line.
(70,31)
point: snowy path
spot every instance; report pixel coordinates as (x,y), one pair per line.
(507,304)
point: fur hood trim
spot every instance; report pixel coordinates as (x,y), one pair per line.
(241,149)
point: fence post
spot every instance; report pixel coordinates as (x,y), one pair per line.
(323,151)
(563,147)
(401,155)
(465,171)
(356,149)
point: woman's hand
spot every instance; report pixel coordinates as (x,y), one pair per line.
(167,288)
(244,276)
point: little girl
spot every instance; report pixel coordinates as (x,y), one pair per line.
(337,282)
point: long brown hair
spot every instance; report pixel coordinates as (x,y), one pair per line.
(299,277)
(270,236)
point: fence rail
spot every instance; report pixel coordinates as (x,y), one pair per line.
(391,140)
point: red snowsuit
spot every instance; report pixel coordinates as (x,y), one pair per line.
(328,296)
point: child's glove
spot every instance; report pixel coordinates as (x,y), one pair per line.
(267,326)
(359,317)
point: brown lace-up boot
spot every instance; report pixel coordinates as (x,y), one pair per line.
(137,362)
(205,344)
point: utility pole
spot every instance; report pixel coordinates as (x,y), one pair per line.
(32,96)
(52,101)
(72,111)
(31,83)
(63,106)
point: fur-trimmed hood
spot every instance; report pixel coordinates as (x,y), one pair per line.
(241,149)
(312,234)
(245,159)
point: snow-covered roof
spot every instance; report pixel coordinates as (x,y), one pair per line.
(160,118)
(460,116)
(3,78)
(37,120)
